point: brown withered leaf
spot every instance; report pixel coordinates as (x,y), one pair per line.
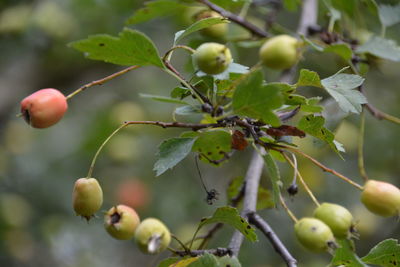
(238,141)
(285,130)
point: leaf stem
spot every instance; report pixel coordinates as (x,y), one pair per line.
(101,147)
(361,166)
(288,211)
(298,174)
(101,81)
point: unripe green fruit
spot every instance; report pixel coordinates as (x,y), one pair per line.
(314,234)
(44,108)
(338,218)
(212,58)
(152,236)
(87,197)
(280,52)
(381,198)
(121,222)
(217,31)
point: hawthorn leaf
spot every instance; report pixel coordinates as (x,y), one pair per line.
(314,125)
(381,47)
(291,5)
(230,215)
(308,78)
(345,256)
(229,4)
(228,261)
(171,152)
(342,50)
(168,262)
(385,254)
(184,262)
(341,87)
(389,15)
(253,99)
(207,260)
(212,145)
(188,110)
(155,9)
(274,176)
(197,26)
(131,47)
(165,99)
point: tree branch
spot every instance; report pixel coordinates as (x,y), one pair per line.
(193,126)
(235,18)
(220,252)
(279,247)
(252,181)
(308,16)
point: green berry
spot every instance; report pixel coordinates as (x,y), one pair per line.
(217,31)
(381,198)
(152,236)
(279,52)
(314,234)
(212,58)
(121,222)
(87,197)
(338,218)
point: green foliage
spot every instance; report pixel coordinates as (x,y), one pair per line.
(380,47)
(230,216)
(209,260)
(256,100)
(345,255)
(171,152)
(274,176)
(197,26)
(164,99)
(168,261)
(389,15)
(156,9)
(131,47)
(385,254)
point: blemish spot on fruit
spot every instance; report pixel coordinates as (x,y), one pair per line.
(101,44)
(115,217)
(314,229)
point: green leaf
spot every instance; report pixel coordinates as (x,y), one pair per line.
(167,262)
(171,152)
(229,4)
(380,47)
(345,256)
(341,87)
(342,50)
(212,145)
(314,125)
(389,15)
(188,110)
(385,254)
(308,78)
(227,261)
(129,48)
(199,25)
(165,99)
(256,100)
(207,260)
(274,176)
(312,105)
(347,6)
(180,92)
(229,215)
(291,5)
(155,9)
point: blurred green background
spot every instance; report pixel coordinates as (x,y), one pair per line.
(39,167)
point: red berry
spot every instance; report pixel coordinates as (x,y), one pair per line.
(44,108)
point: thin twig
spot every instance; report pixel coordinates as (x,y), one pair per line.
(298,174)
(288,211)
(194,253)
(361,166)
(235,18)
(324,168)
(279,247)
(101,81)
(193,126)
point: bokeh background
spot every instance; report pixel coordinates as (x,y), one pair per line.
(39,167)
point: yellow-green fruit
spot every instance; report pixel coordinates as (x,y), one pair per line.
(280,52)
(212,58)
(338,218)
(121,222)
(87,197)
(217,31)
(381,198)
(314,234)
(152,236)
